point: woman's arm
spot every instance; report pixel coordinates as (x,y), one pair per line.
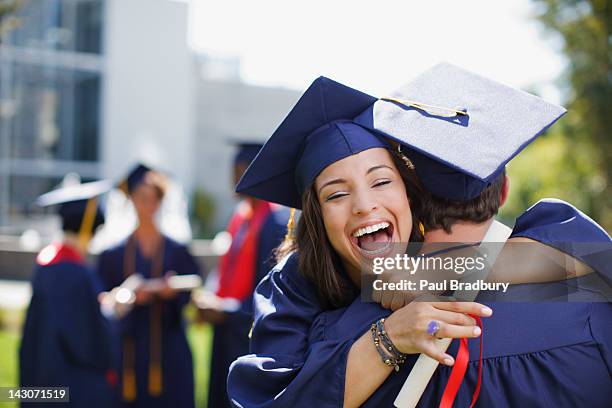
(407,329)
(521,261)
(524,260)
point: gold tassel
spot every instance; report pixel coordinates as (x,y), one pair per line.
(155,333)
(290,225)
(422,228)
(155,379)
(123,187)
(85,231)
(129,377)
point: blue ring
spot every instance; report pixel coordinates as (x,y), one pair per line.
(433,327)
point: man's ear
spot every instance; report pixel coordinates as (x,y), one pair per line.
(505,190)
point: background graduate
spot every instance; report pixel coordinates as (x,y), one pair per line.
(287,303)
(66,341)
(156,367)
(256,227)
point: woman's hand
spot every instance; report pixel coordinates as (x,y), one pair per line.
(143,297)
(166,292)
(407,327)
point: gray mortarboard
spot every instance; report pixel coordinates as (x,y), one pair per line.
(316,133)
(460,128)
(78,206)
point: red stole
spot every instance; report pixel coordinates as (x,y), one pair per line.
(237,267)
(58,252)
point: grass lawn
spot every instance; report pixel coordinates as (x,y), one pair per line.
(200,337)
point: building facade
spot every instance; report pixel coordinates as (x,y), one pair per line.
(51,74)
(90,86)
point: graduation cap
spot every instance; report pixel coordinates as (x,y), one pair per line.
(246,151)
(460,128)
(134,178)
(316,133)
(78,206)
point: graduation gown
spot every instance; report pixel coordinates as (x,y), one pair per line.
(66,341)
(553,354)
(176,360)
(231,337)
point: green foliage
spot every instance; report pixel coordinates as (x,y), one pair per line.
(199,336)
(200,341)
(585,140)
(553,166)
(9,346)
(203,212)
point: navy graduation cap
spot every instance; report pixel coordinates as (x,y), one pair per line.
(77,205)
(135,177)
(460,128)
(246,151)
(316,133)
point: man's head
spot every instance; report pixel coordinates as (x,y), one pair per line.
(443,213)
(79,208)
(245,154)
(460,129)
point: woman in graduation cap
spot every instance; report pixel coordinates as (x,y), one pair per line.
(304,357)
(347,181)
(156,362)
(66,341)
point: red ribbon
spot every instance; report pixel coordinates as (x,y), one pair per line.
(459,369)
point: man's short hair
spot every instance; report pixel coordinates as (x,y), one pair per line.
(444,213)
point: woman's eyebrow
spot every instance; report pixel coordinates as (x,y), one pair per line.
(381,166)
(334,181)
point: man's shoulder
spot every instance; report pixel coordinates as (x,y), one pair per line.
(557,220)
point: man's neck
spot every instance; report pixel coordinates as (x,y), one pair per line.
(72,240)
(146,229)
(464,232)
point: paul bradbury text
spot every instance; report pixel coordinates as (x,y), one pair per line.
(443,286)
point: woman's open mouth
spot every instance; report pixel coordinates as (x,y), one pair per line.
(373,240)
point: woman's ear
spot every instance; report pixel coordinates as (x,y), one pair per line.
(505,190)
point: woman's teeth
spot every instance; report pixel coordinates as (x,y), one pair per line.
(370,229)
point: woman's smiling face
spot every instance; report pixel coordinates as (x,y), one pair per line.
(365,207)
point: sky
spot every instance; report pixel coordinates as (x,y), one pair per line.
(376,46)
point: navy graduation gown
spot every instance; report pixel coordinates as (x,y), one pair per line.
(66,341)
(231,337)
(538,354)
(176,359)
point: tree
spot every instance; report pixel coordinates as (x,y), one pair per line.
(576,156)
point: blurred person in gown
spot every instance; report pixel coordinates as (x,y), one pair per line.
(256,228)
(156,367)
(66,341)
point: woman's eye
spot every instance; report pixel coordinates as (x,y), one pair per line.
(381,183)
(335,196)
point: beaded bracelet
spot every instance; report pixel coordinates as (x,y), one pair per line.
(390,347)
(390,359)
(386,359)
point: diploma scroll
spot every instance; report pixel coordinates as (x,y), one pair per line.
(120,301)
(425,366)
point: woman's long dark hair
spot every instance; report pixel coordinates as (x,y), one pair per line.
(319,262)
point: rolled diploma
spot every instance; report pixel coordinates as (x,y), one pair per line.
(425,366)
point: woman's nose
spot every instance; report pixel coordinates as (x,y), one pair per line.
(364,206)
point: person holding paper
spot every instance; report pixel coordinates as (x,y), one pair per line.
(156,362)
